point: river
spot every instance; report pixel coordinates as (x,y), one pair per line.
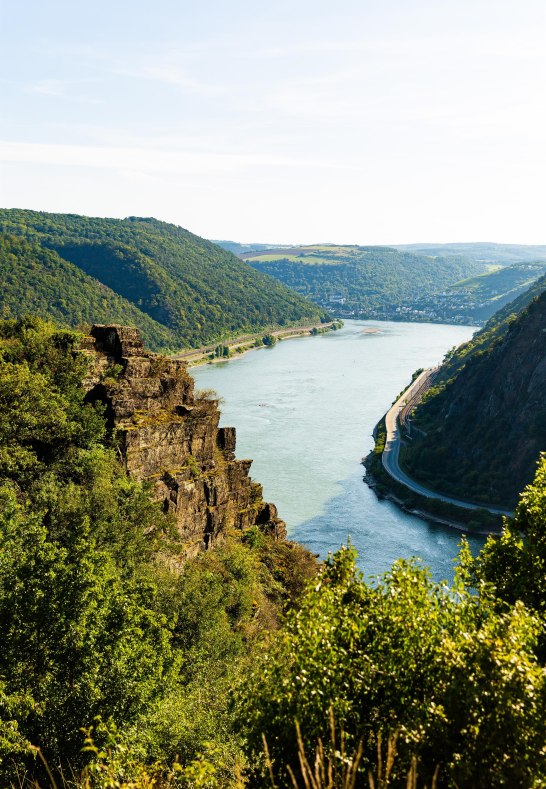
(305,410)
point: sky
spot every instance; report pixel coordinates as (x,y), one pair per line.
(393,121)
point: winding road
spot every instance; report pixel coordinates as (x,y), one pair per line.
(390,458)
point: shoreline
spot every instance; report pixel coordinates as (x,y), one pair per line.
(240,346)
(470,519)
(430,517)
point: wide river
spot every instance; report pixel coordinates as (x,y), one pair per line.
(305,410)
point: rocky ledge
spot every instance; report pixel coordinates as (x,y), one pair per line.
(169,435)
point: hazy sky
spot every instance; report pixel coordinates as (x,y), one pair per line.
(357,122)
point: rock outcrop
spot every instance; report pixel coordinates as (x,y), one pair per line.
(170,436)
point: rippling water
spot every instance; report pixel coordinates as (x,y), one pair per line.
(305,410)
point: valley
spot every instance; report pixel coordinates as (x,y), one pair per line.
(305,411)
(273,513)
(451,283)
(129,515)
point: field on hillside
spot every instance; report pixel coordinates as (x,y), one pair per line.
(363,282)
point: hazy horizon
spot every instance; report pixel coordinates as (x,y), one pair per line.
(370,124)
(285,243)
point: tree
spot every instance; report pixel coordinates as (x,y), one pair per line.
(458,681)
(513,567)
(79,639)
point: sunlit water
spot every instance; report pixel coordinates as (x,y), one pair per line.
(305,410)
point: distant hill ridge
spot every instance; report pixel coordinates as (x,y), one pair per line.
(180,290)
(482,426)
(482,251)
(360,281)
(444,283)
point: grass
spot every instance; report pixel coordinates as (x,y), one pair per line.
(332,767)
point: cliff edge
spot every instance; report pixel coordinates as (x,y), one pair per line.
(169,435)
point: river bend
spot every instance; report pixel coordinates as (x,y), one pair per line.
(305,410)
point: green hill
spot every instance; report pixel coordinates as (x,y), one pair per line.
(480,429)
(179,289)
(500,286)
(365,282)
(474,300)
(501,318)
(38,281)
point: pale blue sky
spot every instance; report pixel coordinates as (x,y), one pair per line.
(357,122)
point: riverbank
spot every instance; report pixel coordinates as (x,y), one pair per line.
(424,512)
(221,351)
(305,413)
(470,520)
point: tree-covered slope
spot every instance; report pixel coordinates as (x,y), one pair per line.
(368,282)
(38,281)
(482,426)
(486,293)
(184,291)
(499,320)
(474,300)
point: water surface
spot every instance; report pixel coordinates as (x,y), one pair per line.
(305,410)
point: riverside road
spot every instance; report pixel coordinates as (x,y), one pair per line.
(390,457)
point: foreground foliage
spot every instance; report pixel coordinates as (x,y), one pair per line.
(513,568)
(95,619)
(457,681)
(243,667)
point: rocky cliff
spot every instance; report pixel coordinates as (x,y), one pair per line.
(169,435)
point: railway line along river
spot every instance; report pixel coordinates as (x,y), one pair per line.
(305,410)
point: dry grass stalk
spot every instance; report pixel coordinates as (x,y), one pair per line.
(331,768)
(383,774)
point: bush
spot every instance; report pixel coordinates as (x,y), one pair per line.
(458,681)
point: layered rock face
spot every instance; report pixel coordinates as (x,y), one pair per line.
(169,436)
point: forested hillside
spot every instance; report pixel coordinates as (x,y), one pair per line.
(474,300)
(365,282)
(488,292)
(466,284)
(128,667)
(38,280)
(179,289)
(481,427)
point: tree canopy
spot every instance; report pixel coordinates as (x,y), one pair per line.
(179,289)
(176,671)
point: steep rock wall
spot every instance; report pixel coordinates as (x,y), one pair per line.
(169,436)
